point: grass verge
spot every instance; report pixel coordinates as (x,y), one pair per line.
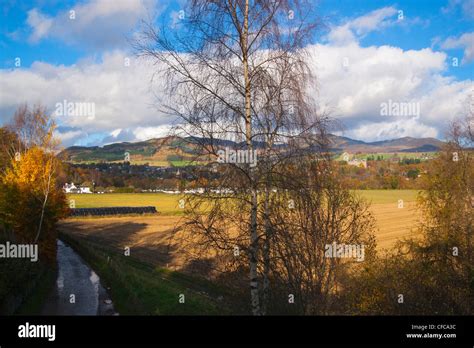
(24,285)
(44,285)
(138,288)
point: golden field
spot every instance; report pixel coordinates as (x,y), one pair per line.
(151,238)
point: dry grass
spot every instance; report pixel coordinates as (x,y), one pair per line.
(394,223)
(152,238)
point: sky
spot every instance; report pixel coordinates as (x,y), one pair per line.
(367,55)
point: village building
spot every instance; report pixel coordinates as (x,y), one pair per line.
(71,188)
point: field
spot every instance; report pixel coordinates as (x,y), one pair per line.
(388,196)
(166,204)
(393,222)
(158,269)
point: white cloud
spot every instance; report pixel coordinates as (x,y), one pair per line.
(144,133)
(374,75)
(466,6)
(68,137)
(98,24)
(122,95)
(125,107)
(115,133)
(360,26)
(395,129)
(374,20)
(356,29)
(40,25)
(465,41)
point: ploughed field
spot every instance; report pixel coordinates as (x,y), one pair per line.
(395,213)
(151,236)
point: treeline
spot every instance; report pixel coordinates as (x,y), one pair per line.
(124,177)
(385,174)
(127,178)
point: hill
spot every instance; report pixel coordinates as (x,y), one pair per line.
(173,150)
(406,144)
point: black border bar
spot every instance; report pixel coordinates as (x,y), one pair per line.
(327,330)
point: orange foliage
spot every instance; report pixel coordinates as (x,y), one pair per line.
(28,191)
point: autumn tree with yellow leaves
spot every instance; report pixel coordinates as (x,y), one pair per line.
(432,273)
(31,201)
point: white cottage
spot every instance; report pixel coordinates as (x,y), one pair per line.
(71,188)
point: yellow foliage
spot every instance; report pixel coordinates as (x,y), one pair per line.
(32,170)
(30,201)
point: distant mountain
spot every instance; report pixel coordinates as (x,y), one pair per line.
(176,150)
(406,144)
(423,148)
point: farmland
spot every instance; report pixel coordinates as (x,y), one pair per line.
(166,204)
(392,222)
(159,267)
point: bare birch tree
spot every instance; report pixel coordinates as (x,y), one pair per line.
(238,70)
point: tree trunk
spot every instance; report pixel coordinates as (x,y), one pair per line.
(266,250)
(46,194)
(253,263)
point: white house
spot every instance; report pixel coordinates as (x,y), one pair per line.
(85,190)
(71,188)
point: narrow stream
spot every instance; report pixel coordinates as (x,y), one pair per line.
(78,290)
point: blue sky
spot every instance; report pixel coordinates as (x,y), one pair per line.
(429,23)
(386,45)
